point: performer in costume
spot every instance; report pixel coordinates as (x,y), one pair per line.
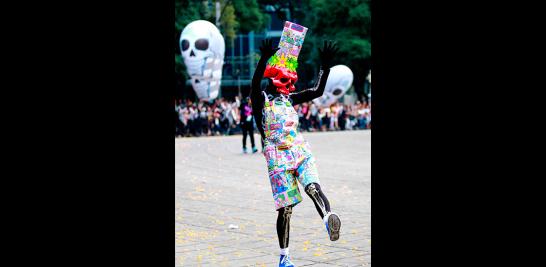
(288,155)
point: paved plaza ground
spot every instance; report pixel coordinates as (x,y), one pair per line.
(225,215)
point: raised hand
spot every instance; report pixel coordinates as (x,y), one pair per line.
(328,53)
(267,50)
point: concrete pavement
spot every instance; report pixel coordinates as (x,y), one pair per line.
(225,214)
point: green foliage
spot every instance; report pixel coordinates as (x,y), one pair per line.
(179,67)
(352,32)
(186,12)
(237,16)
(250,16)
(346,21)
(229,23)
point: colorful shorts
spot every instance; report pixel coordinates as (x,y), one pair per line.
(286,168)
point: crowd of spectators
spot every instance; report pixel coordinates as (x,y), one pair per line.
(222,117)
(336,117)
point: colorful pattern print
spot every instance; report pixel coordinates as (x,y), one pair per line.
(290,46)
(288,156)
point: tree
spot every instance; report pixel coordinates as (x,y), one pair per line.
(250,15)
(352,34)
(228,22)
(284,9)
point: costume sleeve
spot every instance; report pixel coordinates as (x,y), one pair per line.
(314,92)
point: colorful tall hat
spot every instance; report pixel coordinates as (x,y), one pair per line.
(290,46)
(281,67)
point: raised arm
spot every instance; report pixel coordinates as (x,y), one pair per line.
(327,54)
(267,51)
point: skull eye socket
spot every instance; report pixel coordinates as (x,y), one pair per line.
(283,80)
(337,92)
(202,44)
(185,45)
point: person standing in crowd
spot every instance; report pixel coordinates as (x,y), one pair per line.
(323,119)
(224,118)
(341,119)
(194,120)
(362,119)
(298,109)
(304,111)
(178,123)
(197,119)
(217,123)
(351,118)
(312,117)
(185,117)
(247,123)
(210,120)
(328,116)
(230,112)
(330,111)
(203,119)
(368,114)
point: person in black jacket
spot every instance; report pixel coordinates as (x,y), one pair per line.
(247,124)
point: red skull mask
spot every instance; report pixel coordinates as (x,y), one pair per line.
(282,78)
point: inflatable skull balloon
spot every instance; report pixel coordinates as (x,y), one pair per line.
(339,81)
(203,47)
